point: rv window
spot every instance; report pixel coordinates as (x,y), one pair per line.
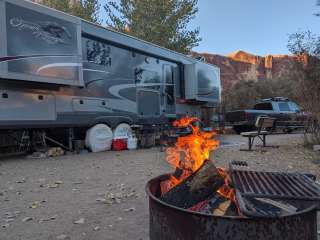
(146,76)
(98,53)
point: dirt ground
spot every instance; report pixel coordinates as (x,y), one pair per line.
(101,195)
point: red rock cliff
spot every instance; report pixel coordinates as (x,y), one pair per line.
(241,65)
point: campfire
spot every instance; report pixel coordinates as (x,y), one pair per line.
(199,186)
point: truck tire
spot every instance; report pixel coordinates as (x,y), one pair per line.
(123,130)
(99,138)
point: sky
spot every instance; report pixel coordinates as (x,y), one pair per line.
(256,26)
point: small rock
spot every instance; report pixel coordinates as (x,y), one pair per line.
(48,219)
(96,228)
(5,225)
(101,200)
(63,237)
(35,204)
(9,220)
(54,185)
(58,182)
(129,209)
(27,219)
(21,181)
(80,221)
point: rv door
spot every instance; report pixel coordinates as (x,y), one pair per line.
(148,92)
(168,90)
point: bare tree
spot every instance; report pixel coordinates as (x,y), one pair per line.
(306,46)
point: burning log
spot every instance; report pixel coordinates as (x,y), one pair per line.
(217,206)
(199,186)
(222,208)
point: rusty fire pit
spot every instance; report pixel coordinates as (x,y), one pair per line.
(169,222)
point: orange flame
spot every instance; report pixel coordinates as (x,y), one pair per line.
(189,152)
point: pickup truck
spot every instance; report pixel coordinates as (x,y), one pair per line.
(287,113)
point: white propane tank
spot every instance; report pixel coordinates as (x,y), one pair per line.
(99,138)
(132,143)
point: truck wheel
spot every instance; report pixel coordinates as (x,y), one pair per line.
(99,138)
(123,130)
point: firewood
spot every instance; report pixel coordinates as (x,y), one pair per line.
(214,204)
(222,208)
(199,186)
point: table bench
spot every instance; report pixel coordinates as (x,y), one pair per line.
(264,126)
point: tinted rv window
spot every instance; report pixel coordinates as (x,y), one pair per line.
(98,53)
(207,82)
(146,76)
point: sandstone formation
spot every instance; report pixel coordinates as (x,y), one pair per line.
(241,65)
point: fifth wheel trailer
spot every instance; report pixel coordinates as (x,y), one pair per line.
(59,72)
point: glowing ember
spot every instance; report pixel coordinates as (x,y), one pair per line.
(189,152)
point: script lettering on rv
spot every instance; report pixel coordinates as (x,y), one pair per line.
(50,32)
(98,53)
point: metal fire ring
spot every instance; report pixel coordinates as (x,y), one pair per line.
(168,222)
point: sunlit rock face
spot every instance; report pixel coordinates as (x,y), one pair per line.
(241,65)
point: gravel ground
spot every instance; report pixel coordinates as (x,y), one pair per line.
(101,195)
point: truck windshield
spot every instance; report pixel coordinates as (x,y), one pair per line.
(263,106)
(294,107)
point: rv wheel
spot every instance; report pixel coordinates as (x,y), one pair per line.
(99,138)
(123,130)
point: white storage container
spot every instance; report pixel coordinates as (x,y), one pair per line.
(132,143)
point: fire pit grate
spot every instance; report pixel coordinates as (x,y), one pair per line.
(275,185)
